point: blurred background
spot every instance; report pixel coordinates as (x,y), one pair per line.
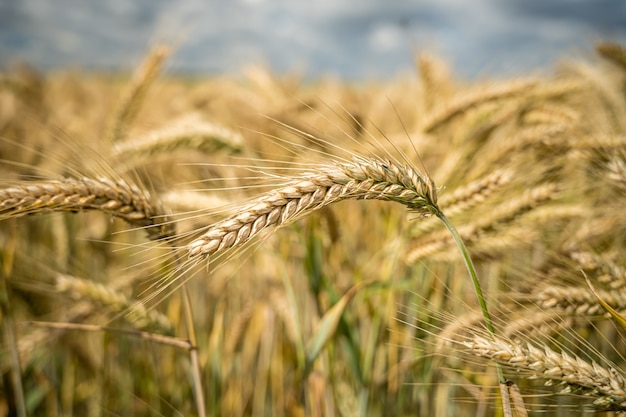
(345,38)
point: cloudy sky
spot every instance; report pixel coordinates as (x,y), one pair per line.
(353,39)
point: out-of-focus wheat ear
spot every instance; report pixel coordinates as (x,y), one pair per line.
(605,270)
(364,179)
(536,322)
(435,77)
(616,173)
(187,134)
(457,330)
(135,313)
(466,197)
(132,100)
(552,114)
(606,385)
(614,52)
(501,214)
(577,300)
(602,92)
(492,245)
(466,100)
(117,198)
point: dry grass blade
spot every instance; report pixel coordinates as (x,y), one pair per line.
(119,199)
(607,385)
(364,179)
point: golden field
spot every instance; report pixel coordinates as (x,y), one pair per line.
(234,246)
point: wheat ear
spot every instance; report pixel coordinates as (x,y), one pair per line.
(188,134)
(363,179)
(606,384)
(117,198)
(614,52)
(117,302)
(132,100)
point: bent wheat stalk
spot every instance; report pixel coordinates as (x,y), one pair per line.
(118,198)
(363,179)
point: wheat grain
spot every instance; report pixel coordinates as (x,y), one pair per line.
(370,178)
(607,385)
(118,198)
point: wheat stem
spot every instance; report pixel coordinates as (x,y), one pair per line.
(477,288)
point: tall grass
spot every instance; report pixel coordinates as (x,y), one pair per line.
(293,305)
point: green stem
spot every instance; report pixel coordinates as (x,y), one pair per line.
(472,272)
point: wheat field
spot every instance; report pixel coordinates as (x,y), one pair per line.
(234,246)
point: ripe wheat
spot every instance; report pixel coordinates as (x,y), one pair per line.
(364,179)
(607,385)
(118,198)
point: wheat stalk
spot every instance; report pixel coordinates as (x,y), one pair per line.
(363,179)
(117,198)
(606,384)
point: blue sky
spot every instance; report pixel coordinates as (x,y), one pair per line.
(351,39)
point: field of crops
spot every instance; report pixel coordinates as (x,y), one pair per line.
(264,245)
